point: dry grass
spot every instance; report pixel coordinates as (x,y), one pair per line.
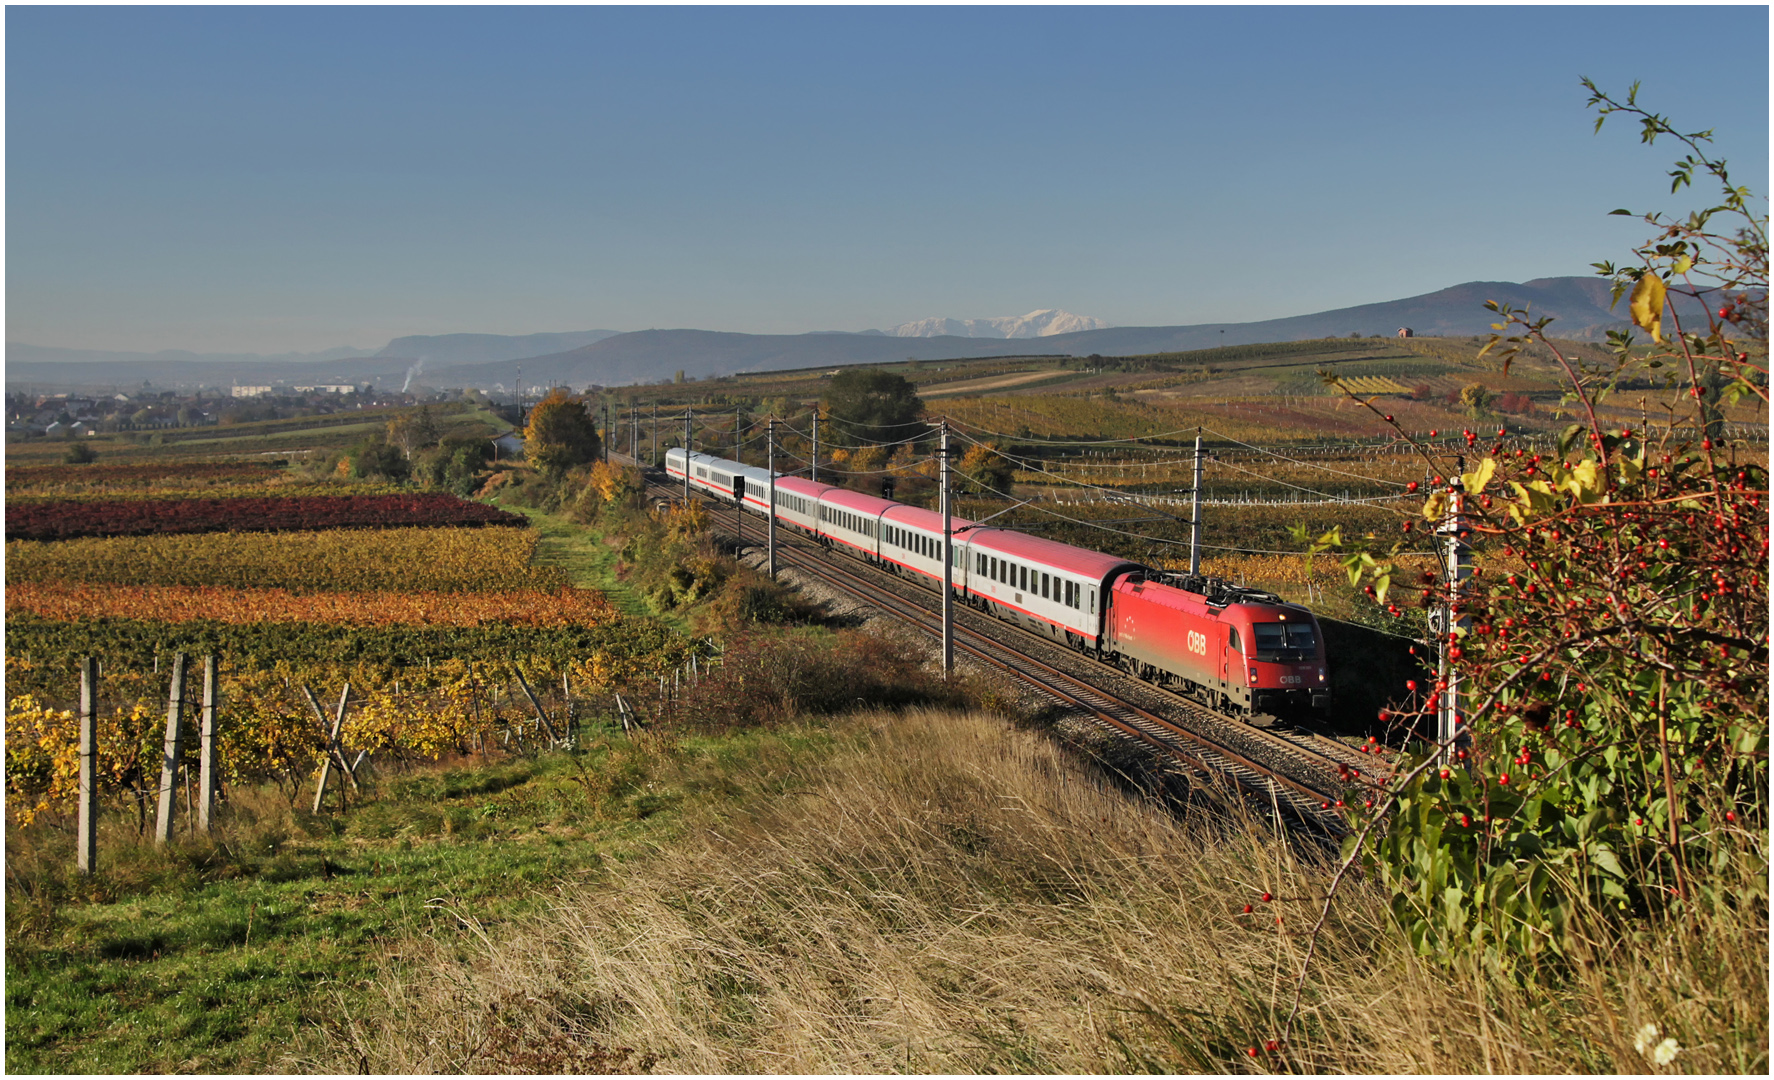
(946,896)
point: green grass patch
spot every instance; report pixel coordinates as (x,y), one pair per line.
(589,561)
(222,955)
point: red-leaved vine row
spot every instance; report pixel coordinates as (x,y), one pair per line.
(70,519)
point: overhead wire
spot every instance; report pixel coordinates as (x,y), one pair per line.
(1307,464)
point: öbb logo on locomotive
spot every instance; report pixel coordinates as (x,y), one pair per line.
(1233,648)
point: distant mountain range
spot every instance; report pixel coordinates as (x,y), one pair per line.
(1580,305)
(609,358)
(448,350)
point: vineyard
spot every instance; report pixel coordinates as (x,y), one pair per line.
(214,603)
(140,476)
(67,520)
(380,560)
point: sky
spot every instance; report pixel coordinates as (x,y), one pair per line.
(257,179)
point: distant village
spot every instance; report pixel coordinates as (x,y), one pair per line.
(75,415)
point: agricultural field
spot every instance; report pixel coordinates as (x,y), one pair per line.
(426,559)
(72,519)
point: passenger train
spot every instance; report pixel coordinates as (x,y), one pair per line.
(1233,648)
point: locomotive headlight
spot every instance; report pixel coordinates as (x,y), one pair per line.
(1320,674)
(1253,676)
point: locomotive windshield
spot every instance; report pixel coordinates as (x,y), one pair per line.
(1275,638)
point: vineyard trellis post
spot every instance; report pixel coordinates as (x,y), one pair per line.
(332,745)
(541,716)
(206,751)
(86,845)
(172,752)
(686,457)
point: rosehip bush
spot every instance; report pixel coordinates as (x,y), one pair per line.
(1611,647)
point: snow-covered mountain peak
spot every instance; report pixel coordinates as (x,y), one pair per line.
(1042,323)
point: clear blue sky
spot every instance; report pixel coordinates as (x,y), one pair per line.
(270,179)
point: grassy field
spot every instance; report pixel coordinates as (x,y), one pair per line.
(221,955)
(941,895)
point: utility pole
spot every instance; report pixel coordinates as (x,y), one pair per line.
(770,434)
(634,431)
(653,458)
(814,475)
(738,426)
(1455,622)
(606,432)
(1195,513)
(948,565)
(686,456)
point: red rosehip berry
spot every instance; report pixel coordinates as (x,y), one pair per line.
(1730,815)
(1412,486)
(1504,779)
(1251,1050)
(1271,1046)
(1268,897)
(1247,909)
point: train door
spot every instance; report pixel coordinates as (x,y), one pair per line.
(738,488)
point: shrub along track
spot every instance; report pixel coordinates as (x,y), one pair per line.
(1274,771)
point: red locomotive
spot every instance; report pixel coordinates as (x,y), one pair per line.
(1229,647)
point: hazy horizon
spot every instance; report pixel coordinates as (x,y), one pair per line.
(277,180)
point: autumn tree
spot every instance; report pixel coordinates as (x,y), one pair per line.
(872,407)
(561,433)
(986,469)
(413,431)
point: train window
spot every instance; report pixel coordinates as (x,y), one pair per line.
(1232,639)
(1023,575)
(1044,595)
(1093,600)
(1288,635)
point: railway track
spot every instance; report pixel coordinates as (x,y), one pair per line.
(1292,773)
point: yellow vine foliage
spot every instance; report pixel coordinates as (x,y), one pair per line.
(336,560)
(268,730)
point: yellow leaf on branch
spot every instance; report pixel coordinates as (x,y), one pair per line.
(1647,304)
